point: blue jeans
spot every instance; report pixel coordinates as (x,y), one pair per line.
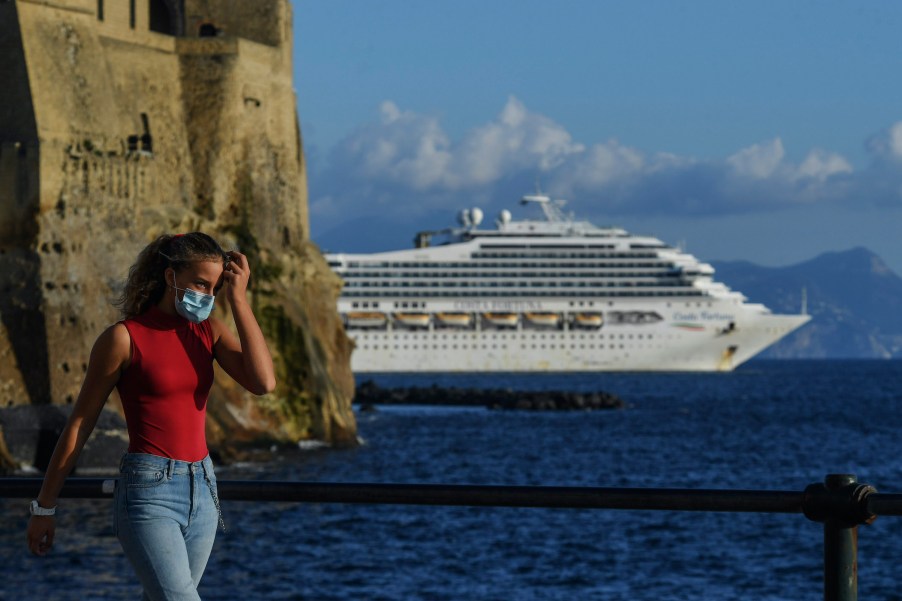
(165,517)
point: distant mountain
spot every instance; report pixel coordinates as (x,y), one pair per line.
(854,299)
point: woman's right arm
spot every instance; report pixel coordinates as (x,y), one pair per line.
(109,357)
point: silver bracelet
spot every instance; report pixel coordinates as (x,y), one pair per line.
(36,509)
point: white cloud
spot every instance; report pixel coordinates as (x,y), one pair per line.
(413,150)
(887,145)
(599,166)
(389,111)
(758,161)
(406,162)
(404,148)
(516,140)
(820,165)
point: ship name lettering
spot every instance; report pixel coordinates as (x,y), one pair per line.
(703,316)
(709,316)
(677,316)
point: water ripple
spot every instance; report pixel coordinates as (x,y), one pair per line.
(770,425)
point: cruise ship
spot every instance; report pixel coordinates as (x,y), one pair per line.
(551,294)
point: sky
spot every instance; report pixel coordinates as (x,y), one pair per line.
(767,131)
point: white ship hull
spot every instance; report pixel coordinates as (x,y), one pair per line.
(687,339)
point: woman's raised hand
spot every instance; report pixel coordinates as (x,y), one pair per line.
(236,275)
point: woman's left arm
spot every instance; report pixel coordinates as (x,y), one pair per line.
(246,360)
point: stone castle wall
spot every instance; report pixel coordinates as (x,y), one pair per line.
(113,133)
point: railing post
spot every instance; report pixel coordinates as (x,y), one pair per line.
(840,549)
(841,504)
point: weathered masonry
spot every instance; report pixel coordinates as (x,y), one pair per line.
(124,119)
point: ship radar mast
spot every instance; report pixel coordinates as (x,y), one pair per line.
(470,218)
(553,209)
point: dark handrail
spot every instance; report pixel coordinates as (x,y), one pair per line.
(840,503)
(563,497)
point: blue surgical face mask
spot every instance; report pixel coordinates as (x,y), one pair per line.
(195,306)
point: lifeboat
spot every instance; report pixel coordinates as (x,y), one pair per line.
(545,320)
(454,320)
(501,320)
(412,320)
(587,320)
(367,319)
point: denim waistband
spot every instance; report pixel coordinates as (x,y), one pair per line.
(170,466)
(176,467)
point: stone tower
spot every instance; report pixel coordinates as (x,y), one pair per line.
(124,119)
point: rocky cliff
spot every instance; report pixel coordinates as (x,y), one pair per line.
(121,121)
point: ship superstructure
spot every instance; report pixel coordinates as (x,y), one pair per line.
(555,294)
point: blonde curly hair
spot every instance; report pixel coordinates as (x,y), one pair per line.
(145,284)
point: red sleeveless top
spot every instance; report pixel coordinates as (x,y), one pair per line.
(164,390)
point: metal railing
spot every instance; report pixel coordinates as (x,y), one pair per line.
(841,503)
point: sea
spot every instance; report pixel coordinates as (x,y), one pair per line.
(769,425)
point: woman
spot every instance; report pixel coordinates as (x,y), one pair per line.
(160,358)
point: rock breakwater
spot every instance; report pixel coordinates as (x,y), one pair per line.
(370,394)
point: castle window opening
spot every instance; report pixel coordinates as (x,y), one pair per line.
(146,139)
(131,13)
(160,17)
(100,10)
(207,30)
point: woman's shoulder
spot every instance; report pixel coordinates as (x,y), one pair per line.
(113,345)
(213,328)
(216,325)
(114,336)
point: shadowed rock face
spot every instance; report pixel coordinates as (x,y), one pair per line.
(31,432)
(112,133)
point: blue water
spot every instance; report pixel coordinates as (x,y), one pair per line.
(769,425)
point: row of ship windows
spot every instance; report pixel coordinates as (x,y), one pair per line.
(493,237)
(562,255)
(422,305)
(503,347)
(495,247)
(470,265)
(572,246)
(346,293)
(634,245)
(463,344)
(518,285)
(513,275)
(570,336)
